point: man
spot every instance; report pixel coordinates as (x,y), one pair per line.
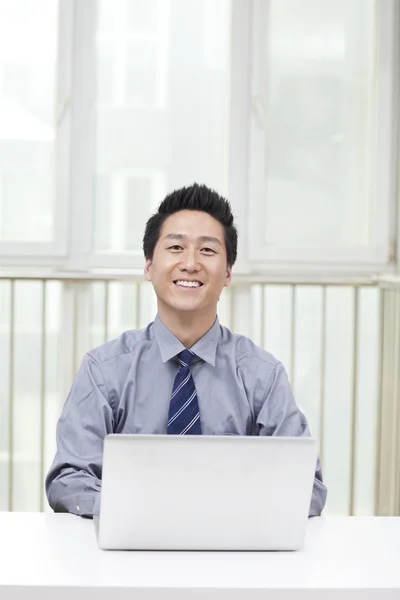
(184,373)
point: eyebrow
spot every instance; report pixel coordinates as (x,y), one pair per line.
(202,238)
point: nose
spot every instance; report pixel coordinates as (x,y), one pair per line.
(189,262)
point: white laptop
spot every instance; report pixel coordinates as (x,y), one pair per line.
(163,492)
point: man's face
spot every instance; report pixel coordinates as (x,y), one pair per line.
(189,268)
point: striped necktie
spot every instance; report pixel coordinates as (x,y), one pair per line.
(184,415)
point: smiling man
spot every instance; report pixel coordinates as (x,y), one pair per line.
(184,374)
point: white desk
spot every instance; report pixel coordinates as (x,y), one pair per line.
(46,556)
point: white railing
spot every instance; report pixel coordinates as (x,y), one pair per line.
(326,333)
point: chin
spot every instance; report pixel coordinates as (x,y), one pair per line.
(188,308)
(185,306)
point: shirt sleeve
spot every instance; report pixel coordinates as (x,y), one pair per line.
(280,415)
(74,480)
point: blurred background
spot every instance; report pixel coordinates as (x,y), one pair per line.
(289,108)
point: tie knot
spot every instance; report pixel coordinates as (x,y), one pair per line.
(185,357)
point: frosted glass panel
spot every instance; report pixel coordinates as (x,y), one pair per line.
(5,389)
(31,403)
(28,54)
(161,110)
(122,308)
(278,330)
(338,397)
(242,310)
(308,355)
(317,95)
(148,305)
(26,410)
(367,401)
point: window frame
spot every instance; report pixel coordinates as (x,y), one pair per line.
(42,253)
(73,250)
(385,155)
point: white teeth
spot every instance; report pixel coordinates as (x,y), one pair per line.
(188,283)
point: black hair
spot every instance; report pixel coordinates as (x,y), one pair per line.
(194,197)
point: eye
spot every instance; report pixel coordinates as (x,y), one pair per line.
(175,247)
(208,250)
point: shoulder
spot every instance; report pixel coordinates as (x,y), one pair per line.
(124,346)
(245,350)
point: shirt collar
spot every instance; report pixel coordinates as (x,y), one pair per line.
(170,346)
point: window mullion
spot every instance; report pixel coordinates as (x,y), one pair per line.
(239,121)
(82,135)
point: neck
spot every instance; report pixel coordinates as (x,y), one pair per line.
(189,327)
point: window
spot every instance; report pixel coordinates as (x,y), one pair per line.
(320,158)
(287,108)
(161,113)
(28,54)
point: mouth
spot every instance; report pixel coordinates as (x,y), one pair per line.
(185,284)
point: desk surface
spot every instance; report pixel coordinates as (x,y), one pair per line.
(43,554)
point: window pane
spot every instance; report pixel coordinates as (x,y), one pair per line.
(28,50)
(142,15)
(137,191)
(161,111)
(142,84)
(317,98)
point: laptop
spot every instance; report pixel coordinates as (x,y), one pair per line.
(164,492)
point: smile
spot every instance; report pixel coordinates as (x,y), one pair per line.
(188,284)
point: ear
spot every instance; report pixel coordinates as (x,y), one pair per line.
(228,278)
(147,267)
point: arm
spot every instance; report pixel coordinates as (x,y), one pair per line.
(280,415)
(74,480)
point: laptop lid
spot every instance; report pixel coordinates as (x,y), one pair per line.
(162,492)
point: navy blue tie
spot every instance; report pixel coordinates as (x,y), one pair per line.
(184,415)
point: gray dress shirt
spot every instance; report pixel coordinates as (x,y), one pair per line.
(125,385)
